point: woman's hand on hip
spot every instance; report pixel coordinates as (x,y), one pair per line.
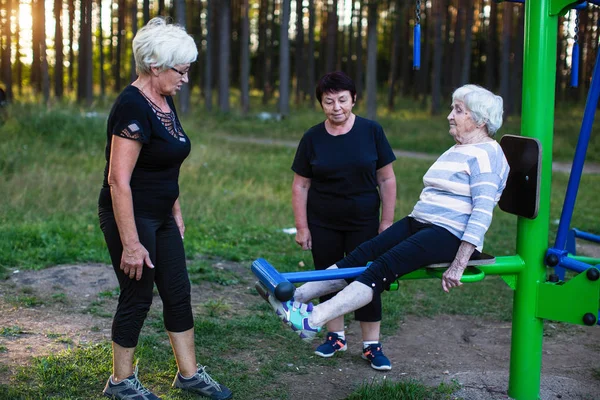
(304,239)
(133,260)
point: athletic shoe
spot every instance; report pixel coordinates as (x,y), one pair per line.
(295,315)
(201,383)
(332,345)
(129,388)
(374,354)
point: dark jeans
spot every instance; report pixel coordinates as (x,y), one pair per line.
(331,245)
(163,241)
(402,248)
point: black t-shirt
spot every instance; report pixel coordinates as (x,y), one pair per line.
(343,172)
(155,177)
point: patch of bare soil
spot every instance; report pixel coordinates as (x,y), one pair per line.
(471,351)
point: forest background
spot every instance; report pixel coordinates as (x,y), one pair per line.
(277,49)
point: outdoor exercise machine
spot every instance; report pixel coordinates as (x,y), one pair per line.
(537,294)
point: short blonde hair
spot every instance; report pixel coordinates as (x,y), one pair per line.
(162,45)
(486,107)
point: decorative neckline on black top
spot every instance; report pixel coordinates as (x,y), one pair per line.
(169,120)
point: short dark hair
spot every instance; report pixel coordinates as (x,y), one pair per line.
(334,82)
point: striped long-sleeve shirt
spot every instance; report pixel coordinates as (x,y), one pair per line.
(462,188)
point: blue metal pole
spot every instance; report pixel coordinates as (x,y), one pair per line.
(579,159)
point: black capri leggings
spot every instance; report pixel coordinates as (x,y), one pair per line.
(402,248)
(331,245)
(163,241)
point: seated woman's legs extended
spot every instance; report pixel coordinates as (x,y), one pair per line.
(330,246)
(366,252)
(404,247)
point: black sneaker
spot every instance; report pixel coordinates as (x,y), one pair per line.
(201,383)
(129,388)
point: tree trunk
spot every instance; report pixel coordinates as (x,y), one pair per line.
(161,7)
(284,59)
(45,77)
(505,58)
(101,52)
(146,8)
(195,28)
(35,79)
(457,46)
(134,27)
(119,49)
(7,49)
(266,70)
(245,59)
(517,76)
(184,93)
(19,65)
(58,47)
(84,71)
(311,79)
(224,50)
(465,73)
(350,64)
(406,76)
(371,80)
(208,61)
(71,45)
(358,80)
(299,54)
(332,24)
(438,53)
(423,76)
(491,48)
(395,54)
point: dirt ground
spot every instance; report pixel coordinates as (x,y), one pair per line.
(469,350)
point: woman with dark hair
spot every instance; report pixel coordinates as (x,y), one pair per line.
(342,175)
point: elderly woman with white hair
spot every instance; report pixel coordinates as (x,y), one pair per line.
(447,224)
(140,214)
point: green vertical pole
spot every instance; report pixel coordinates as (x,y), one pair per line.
(539,76)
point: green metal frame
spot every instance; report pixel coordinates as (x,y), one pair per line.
(535,298)
(537,121)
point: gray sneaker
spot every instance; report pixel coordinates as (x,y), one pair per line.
(129,388)
(201,383)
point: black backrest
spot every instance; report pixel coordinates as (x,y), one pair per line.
(522,193)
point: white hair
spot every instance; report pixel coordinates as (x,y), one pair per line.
(162,45)
(486,107)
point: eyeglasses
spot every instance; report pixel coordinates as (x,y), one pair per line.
(178,71)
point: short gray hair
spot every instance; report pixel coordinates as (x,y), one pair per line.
(486,107)
(162,45)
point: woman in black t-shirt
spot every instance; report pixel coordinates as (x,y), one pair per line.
(140,214)
(342,173)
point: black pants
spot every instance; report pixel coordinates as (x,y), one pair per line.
(330,245)
(163,241)
(402,248)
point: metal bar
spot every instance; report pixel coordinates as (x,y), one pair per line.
(537,121)
(579,159)
(586,235)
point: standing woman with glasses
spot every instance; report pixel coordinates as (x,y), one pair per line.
(140,214)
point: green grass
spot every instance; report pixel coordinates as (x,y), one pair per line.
(11,331)
(236,200)
(405,390)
